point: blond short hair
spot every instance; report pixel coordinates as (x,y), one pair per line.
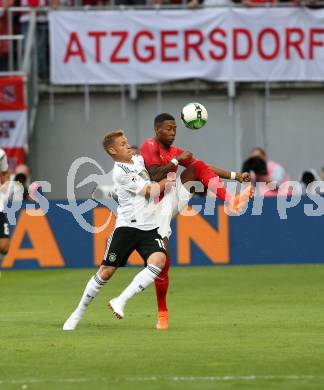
(110,138)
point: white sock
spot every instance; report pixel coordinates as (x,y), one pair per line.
(93,287)
(142,280)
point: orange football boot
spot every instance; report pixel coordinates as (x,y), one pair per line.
(163,320)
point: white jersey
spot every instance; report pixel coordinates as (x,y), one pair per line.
(3,168)
(3,161)
(134,209)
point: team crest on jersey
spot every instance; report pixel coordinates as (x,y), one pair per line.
(112,257)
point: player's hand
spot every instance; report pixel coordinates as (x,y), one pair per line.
(243,177)
(171,177)
(169,182)
(184,156)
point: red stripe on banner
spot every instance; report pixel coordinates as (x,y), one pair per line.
(12,94)
(16,156)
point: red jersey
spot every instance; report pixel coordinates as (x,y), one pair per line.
(154,154)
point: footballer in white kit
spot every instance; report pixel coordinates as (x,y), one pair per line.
(4,225)
(137,219)
(136,229)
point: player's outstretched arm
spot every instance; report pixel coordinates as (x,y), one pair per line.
(238,176)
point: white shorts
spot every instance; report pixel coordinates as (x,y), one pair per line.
(172,204)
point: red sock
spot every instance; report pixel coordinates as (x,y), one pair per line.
(205,174)
(161,287)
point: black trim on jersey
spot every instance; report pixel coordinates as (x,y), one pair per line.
(124,168)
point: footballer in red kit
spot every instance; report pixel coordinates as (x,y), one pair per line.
(161,158)
(154,154)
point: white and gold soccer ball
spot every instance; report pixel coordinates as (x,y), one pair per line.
(194,116)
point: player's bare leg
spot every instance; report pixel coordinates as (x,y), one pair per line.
(4,245)
(161,289)
(93,287)
(155,264)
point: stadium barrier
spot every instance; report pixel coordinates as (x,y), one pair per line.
(56,240)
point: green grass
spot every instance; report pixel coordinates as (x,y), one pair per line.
(262,327)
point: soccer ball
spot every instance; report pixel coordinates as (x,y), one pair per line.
(194,116)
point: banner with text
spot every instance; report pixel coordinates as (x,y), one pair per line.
(140,47)
(13,120)
(55,239)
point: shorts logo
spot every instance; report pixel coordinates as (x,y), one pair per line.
(112,257)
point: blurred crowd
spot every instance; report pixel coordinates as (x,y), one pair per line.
(273,179)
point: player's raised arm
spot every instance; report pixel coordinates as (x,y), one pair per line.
(153,162)
(224,174)
(158,173)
